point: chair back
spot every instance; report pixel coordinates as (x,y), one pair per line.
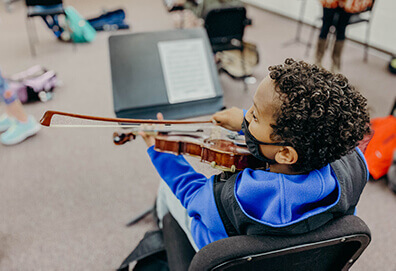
(224,25)
(42,2)
(370,8)
(363,16)
(335,246)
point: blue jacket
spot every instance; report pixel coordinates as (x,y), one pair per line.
(273,199)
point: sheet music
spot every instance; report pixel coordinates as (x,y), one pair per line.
(186,70)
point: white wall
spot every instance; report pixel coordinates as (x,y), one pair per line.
(383,24)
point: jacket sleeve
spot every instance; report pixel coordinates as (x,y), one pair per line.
(195,193)
(181,178)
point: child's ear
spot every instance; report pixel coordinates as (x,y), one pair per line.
(286,155)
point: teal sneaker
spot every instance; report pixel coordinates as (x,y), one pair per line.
(19,131)
(5,123)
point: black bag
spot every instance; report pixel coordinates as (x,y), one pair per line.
(111,20)
(150,254)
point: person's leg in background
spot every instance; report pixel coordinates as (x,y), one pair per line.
(341,25)
(15,123)
(327,21)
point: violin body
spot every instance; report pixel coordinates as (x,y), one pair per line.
(219,153)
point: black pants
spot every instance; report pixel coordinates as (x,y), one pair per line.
(337,17)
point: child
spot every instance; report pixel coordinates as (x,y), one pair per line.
(305,124)
(15,124)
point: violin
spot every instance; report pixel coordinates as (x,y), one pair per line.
(224,154)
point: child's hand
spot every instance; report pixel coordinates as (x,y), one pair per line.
(230,119)
(149,139)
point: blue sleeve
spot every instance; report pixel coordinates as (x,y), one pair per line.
(244,114)
(195,193)
(3,84)
(181,178)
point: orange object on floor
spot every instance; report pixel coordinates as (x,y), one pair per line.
(380,150)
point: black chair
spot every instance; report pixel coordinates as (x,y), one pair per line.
(225,27)
(335,246)
(356,18)
(52,9)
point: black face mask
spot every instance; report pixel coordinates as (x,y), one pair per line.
(253,144)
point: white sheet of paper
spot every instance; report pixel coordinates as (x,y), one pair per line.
(186,70)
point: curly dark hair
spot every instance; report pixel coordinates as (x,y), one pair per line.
(320,114)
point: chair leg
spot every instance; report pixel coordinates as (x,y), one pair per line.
(31,39)
(309,43)
(141,216)
(245,86)
(7,4)
(243,63)
(35,34)
(300,22)
(366,44)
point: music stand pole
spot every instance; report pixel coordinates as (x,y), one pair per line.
(299,25)
(140,216)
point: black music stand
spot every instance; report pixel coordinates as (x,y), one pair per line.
(138,79)
(139,82)
(300,23)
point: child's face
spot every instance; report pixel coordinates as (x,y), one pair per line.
(261,114)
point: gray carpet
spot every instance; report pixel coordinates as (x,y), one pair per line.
(66,194)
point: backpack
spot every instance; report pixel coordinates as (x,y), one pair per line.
(80,30)
(34,84)
(111,20)
(379,152)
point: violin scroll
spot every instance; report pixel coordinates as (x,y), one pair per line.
(121,139)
